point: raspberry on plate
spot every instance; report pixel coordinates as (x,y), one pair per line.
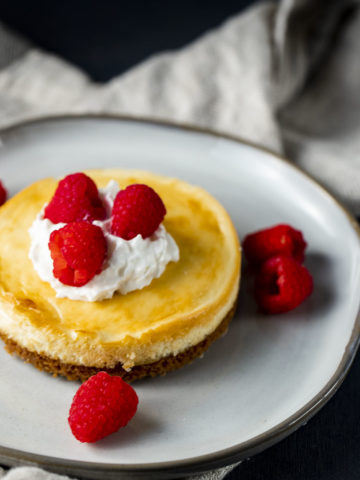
(282,284)
(3,194)
(137,210)
(78,251)
(277,240)
(101,406)
(76,198)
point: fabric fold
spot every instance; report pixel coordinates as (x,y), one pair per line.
(271,75)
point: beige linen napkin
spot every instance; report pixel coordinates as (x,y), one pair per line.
(284,75)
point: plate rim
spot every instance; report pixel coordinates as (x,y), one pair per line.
(241,450)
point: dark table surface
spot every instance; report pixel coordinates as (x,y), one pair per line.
(105,39)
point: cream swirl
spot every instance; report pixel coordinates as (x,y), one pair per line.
(130,265)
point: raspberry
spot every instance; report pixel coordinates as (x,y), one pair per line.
(282,284)
(101,406)
(3,194)
(78,251)
(137,210)
(76,198)
(277,240)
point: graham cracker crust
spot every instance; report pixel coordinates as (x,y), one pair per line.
(79,372)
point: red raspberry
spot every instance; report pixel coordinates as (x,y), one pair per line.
(277,240)
(282,284)
(101,406)
(78,251)
(3,194)
(76,198)
(137,209)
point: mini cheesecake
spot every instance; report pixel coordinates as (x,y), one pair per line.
(146,332)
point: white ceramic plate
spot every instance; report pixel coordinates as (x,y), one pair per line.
(254,386)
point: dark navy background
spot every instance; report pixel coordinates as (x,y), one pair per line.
(107,37)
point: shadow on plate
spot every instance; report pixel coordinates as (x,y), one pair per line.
(140,427)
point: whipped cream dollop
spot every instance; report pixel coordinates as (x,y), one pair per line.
(130,264)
